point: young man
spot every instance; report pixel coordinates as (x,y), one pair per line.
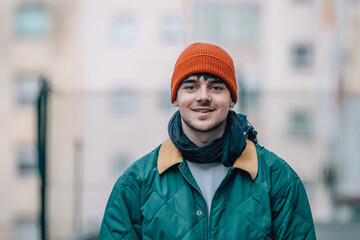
(210,179)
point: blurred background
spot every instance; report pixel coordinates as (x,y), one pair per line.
(103,70)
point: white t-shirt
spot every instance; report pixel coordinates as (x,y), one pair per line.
(208,177)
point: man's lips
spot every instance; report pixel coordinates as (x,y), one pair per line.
(203,110)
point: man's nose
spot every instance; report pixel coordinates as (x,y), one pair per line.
(203,94)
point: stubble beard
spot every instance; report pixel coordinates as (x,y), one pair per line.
(210,128)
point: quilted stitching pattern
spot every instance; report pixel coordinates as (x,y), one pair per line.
(162,211)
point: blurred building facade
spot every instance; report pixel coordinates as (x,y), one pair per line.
(37,40)
(346,179)
(109,66)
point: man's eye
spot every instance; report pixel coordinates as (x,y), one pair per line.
(217,88)
(189,87)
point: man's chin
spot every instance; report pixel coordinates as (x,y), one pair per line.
(203,128)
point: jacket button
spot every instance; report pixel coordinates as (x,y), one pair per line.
(199,212)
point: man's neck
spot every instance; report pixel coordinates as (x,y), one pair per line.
(202,139)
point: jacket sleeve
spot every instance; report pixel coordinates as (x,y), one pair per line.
(290,210)
(122,217)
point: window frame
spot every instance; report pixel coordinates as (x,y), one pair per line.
(25,28)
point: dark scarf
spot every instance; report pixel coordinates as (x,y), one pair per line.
(225,149)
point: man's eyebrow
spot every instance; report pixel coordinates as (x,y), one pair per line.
(216,80)
(189,81)
(212,80)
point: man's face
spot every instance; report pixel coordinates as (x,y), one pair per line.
(203,103)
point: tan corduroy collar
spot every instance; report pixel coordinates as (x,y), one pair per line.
(169,155)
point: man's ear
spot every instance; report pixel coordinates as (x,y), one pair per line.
(232,104)
(175,104)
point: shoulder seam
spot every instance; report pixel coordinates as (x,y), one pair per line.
(285,186)
(137,192)
(123,178)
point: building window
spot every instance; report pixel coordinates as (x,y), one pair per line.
(310,187)
(32,20)
(227,23)
(27,160)
(27,229)
(302,56)
(248,91)
(171,29)
(124,101)
(300,124)
(120,163)
(165,99)
(27,89)
(125,30)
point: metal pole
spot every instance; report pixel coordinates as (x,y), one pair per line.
(41,134)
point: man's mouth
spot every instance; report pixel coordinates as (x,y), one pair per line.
(203,110)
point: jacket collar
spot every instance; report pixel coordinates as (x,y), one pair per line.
(169,155)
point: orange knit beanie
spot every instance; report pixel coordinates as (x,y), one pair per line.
(204,58)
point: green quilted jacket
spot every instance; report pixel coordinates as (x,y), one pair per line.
(157,197)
